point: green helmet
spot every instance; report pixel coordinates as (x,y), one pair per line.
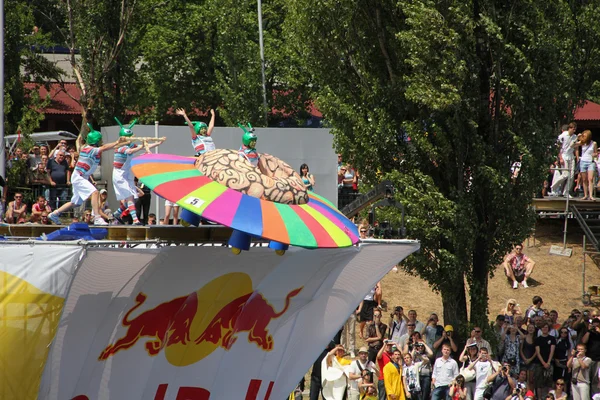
(94,137)
(198,126)
(126,131)
(249,135)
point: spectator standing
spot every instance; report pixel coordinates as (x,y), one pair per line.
(433,331)
(446,338)
(528,353)
(333,376)
(445,370)
(41,177)
(587,166)
(518,267)
(315,374)
(469,355)
(375,333)
(34,157)
(422,353)
(383,357)
(355,370)
(561,356)
(393,377)
(502,383)
(483,367)
(566,141)
(170,206)
(406,341)
(592,341)
(398,324)
(458,390)
(535,310)
(580,365)
(16,210)
(511,345)
(142,204)
(307,178)
(545,345)
(410,374)
(366,307)
(60,177)
(480,341)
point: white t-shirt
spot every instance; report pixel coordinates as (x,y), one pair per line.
(412,377)
(566,145)
(353,368)
(482,370)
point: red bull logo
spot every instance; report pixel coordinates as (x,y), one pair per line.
(191,327)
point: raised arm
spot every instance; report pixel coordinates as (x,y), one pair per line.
(211,124)
(181,111)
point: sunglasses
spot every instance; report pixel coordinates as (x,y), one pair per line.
(477,331)
(558,384)
(363,231)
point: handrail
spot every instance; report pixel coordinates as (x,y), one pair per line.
(584,226)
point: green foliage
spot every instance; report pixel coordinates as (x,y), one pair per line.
(442,98)
(23,62)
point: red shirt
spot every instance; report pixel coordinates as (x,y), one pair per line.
(385,358)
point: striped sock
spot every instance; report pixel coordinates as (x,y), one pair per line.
(131,208)
(120,211)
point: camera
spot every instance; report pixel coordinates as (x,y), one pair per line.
(517,391)
(411,386)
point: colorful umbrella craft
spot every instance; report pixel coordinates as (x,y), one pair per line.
(265,201)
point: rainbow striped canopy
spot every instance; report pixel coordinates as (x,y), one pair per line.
(317,224)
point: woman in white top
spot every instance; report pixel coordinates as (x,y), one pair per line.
(587,167)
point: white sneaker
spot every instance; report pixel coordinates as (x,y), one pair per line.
(100,222)
(524,283)
(552,194)
(568,196)
(515,285)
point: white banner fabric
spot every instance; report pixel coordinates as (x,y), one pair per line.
(34,281)
(202,323)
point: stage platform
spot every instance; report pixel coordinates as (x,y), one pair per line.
(178,234)
(557,204)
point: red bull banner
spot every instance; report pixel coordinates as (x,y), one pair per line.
(201,323)
(34,282)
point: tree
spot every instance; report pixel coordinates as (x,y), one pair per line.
(208,57)
(443,97)
(23,62)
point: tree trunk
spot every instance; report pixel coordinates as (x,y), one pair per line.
(454,301)
(479,285)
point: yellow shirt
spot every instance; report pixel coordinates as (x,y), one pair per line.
(393,381)
(343,362)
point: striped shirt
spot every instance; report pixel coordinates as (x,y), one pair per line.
(202,144)
(89,159)
(122,159)
(250,154)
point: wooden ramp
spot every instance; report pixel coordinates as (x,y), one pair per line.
(557,204)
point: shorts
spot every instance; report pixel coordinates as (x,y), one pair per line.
(123,184)
(542,377)
(587,166)
(82,189)
(170,203)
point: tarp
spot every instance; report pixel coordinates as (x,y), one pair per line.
(202,323)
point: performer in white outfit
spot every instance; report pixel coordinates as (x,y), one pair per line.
(123,179)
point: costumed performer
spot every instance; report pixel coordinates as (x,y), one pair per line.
(201,133)
(122,177)
(334,377)
(248,148)
(89,159)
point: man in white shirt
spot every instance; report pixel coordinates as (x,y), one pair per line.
(355,369)
(566,140)
(483,367)
(445,370)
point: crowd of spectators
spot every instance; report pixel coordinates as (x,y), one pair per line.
(529,354)
(40,181)
(575,171)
